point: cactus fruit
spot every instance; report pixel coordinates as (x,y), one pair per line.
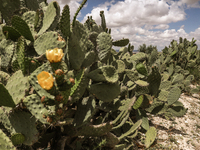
(17,138)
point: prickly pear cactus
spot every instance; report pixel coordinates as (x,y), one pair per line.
(63,79)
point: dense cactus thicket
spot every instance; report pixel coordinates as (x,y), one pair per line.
(63,86)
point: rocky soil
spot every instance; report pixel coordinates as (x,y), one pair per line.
(181,133)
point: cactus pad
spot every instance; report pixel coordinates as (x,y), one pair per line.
(122,42)
(173,95)
(104,46)
(21,26)
(6,99)
(150,136)
(104,74)
(24,123)
(106,92)
(37,109)
(46,41)
(5,142)
(17,86)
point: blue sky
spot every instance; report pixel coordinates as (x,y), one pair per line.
(153,22)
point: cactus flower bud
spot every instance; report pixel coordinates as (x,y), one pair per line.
(54,55)
(59,72)
(72,80)
(45,80)
(49,119)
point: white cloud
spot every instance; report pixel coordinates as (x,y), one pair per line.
(191,3)
(142,21)
(73,5)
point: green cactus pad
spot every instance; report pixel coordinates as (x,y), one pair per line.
(37,109)
(105,91)
(178,78)
(21,26)
(111,140)
(29,17)
(155,107)
(138,57)
(4,119)
(17,86)
(154,80)
(190,77)
(103,21)
(76,14)
(163,95)
(49,16)
(5,142)
(153,56)
(141,69)
(85,111)
(119,66)
(141,114)
(165,85)
(95,130)
(77,46)
(122,42)
(21,54)
(17,138)
(131,130)
(80,90)
(65,22)
(132,75)
(104,74)
(173,95)
(141,83)
(150,136)
(32,5)
(90,58)
(4,77)
(7,48)
(11,32)
(24,123)
(104,46)
(46,41)
(177,111)
(6,99)
(138,102)
(8,8)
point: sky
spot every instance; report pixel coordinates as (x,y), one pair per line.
(150,22)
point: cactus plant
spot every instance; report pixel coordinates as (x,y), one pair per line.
(89,91)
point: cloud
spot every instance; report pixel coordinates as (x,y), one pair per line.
(191,3)
(73,5)
(142,21)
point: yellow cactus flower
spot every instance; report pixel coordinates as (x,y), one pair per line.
(45,80)
(54,55)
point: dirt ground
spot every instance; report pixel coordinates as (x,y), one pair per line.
(181,133)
